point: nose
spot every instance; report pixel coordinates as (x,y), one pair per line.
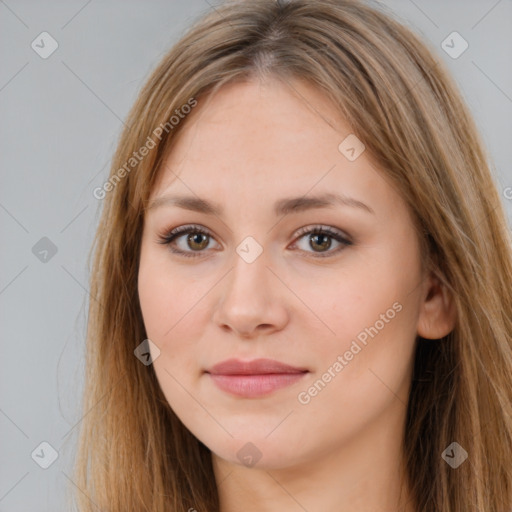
(252,300)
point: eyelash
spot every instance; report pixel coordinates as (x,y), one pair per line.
(168,237)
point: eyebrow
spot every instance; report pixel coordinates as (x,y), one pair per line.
(281,207)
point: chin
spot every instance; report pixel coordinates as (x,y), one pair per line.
(256,449)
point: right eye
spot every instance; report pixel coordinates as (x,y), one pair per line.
(197,239)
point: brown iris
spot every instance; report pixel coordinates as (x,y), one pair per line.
(192,239)
(326,240)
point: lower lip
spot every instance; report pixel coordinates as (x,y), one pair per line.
(251,386)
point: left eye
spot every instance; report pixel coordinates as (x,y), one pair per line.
(321,237)
(197,238)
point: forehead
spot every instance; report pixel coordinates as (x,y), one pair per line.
(261,141)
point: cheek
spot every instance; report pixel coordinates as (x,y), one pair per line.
(368,317)
(363,369)
(344,305)
(170,309)
(174,308)
(157,300)
(165,297)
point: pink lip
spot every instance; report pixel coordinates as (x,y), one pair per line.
(254,378)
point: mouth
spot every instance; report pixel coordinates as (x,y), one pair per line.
(252,379)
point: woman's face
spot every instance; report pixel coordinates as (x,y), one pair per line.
(257,168)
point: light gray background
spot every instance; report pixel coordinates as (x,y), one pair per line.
(60,120)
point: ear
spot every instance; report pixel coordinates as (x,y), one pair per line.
(438,314)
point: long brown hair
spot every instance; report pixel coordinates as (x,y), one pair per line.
(134,454)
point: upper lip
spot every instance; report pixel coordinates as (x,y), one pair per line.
(254,367)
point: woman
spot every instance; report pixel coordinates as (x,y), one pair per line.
(302,277)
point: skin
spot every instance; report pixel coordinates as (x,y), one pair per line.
(247,146)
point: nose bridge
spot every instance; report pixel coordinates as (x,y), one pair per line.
(250,266)
(248,298)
